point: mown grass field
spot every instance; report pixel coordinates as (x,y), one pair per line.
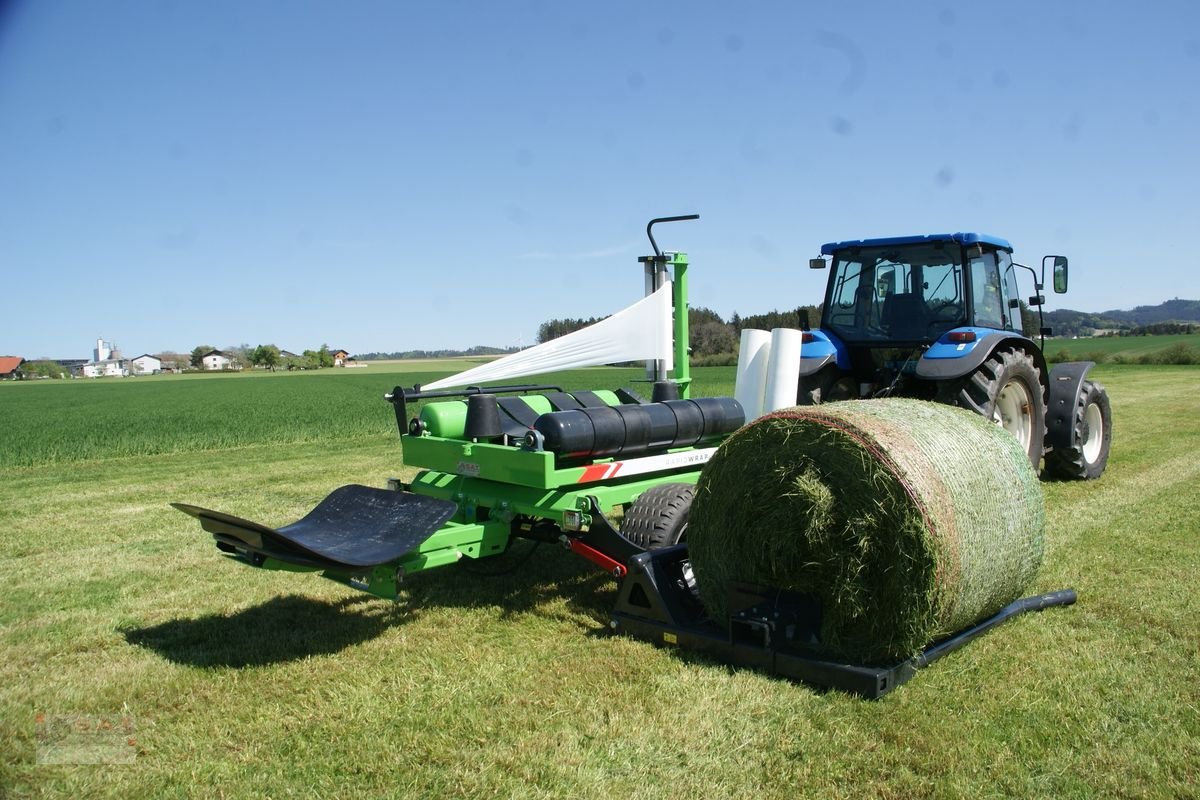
(245,683)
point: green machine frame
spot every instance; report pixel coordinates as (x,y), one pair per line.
(502,489)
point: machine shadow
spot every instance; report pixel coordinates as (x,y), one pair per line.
(280,630)
(549,582)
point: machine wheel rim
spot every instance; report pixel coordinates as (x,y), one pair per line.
(1095,436)
(1013,411)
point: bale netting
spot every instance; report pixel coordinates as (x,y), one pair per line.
(908,520)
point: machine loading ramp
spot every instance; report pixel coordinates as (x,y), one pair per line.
(354,527)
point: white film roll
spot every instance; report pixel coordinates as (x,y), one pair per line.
(783,369)
(751,382)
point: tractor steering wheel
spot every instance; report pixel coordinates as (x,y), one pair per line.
(946,312)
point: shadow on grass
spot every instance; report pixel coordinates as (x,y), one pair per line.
(546,582)
(282,629)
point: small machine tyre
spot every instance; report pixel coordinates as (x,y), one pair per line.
(659,516)
(827,385)
(1091,438)
(1007,389)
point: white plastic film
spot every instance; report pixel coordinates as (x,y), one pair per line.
(640,332)
(783,369)
(751,382)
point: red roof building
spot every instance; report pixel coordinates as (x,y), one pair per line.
(10,366)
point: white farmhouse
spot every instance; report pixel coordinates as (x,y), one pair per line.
(145,364)
(109,368)
(215,360)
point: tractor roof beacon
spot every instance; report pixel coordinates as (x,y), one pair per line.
(939,317)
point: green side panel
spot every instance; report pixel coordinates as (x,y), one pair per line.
(683,367)
(478,459)
(500,501)
(446,419)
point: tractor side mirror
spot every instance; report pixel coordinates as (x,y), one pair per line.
(1058,265)
(1037,300)
(816,263)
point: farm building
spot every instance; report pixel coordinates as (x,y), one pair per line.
(340,357)
(106,363)
(216,360)
(10,368)
(145,364)
(108,368)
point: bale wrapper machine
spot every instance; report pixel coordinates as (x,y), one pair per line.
(500,463)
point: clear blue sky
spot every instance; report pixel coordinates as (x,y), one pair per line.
(396,175)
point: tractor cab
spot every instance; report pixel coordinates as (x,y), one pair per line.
(912,290)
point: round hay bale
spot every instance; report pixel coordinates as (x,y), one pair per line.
(908,520)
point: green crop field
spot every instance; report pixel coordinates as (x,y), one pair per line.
(1102,349)
(236,682)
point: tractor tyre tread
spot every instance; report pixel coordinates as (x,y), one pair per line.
(1070,463)
(979,390)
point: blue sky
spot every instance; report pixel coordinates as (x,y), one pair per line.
(387,176)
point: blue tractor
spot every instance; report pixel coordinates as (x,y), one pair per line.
(939,317)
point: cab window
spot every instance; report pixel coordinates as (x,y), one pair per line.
(987,294)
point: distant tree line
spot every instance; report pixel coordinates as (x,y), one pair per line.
(554,328)
(267,356)
(1157,329)
(478,350)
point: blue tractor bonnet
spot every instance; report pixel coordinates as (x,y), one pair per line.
(962,238)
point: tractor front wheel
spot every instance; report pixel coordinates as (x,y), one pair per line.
(1091,438)
(659,516)
(1006,389)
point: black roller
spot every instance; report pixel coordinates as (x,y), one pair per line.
(663,427)
(632,430)
(637,429)
(690,421)
(568,433)
(608,431)
(721,415)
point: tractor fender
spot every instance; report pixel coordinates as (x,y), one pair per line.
(944,360)
(1066,382)
(824,349)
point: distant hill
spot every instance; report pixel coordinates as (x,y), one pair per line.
(1171,311)
(1067,322)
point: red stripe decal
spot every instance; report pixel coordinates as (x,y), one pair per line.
(595,472)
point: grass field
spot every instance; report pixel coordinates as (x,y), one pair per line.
(244,683)
(1102,349)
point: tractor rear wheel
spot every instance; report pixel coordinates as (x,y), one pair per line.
(659,516)
(825,386)
(1006,389)
(1091,438)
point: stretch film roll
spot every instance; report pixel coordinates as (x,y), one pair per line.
(751,382)
(783,370)
(641,331)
